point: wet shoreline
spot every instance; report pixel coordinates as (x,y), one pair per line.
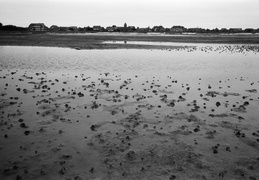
(129,114)
(95,41)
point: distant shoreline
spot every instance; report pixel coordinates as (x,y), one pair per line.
(151,34)
(95,40)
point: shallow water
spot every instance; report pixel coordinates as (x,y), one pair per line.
(110,109)
(173,43)
(202,58)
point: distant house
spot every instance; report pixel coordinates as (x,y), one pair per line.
(97,28)
(115,27)
(143,30)
(158,29)
(37,27)
(131,28)
(88,28)
(73,28)
(235,30)
(223,30)
(195,30)
(177,29)
(110,29)
(64,29)
(249,30)
(54,28)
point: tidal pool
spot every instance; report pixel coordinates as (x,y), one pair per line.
(189,113)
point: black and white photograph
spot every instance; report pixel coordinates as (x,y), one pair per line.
(129,89)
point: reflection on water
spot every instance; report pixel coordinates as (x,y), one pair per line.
(209,59)
(170,43)
(151,43)
(185,64)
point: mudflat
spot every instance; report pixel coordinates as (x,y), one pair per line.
(95,40)
(151,113)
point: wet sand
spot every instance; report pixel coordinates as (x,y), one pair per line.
(178,114)
(95,40)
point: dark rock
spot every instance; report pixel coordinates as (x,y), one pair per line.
(18,177)
(91,170)
(215,151)
(131,155)
(228,149)
(251,91)
(196,129)
(240,118)
(62,170)
(171,104)
(172,177)
(77,178)
(239,134)
(246,103)
(27,133)
(93,127)
(66,156)
(218,104)
(20,120)
(23,125)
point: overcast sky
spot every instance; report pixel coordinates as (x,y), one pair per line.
(140,13)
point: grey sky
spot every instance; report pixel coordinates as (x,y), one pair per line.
(142,13)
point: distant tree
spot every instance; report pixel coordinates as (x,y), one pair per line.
(167,29)
(216,30)
(249,30)
(1,24)
(88,28)
(12,28)
(223,30)
(81,29)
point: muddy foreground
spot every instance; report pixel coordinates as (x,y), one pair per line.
(159,123)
